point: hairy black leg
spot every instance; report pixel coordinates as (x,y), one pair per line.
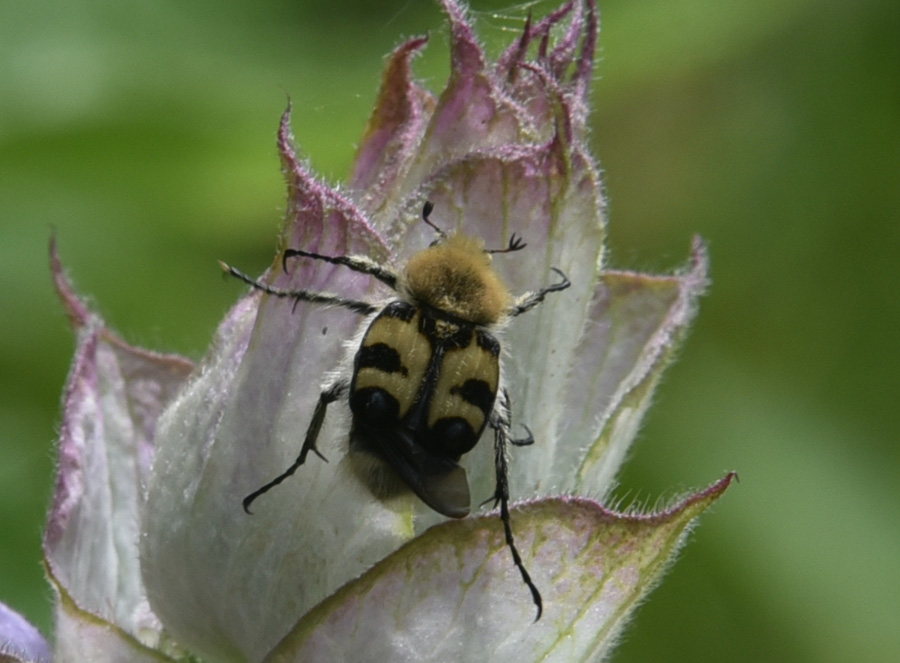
(327,397)
(500,423)
(360,264)
(356,306)
(532,299)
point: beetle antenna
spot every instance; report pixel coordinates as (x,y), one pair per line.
(426,212)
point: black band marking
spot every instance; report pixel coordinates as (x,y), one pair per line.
(477,393)
(380,356)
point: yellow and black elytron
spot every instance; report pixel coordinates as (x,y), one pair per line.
(426,376)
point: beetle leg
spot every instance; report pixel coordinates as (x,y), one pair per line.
(526,441)
(363,308)
(328,396)
(529,300)
(500,423)
(360,264)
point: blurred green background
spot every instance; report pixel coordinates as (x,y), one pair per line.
(143,133)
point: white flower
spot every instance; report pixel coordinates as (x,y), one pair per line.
(148,548)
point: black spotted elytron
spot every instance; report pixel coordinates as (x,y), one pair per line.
(426,376)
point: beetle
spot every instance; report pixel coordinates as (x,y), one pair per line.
(425,380)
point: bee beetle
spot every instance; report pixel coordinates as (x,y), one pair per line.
(426,376)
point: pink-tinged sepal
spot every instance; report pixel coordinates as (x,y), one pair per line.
(453,597)
(111,406)
(637,322)
(393,134)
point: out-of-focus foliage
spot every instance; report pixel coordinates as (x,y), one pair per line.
(144,134)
